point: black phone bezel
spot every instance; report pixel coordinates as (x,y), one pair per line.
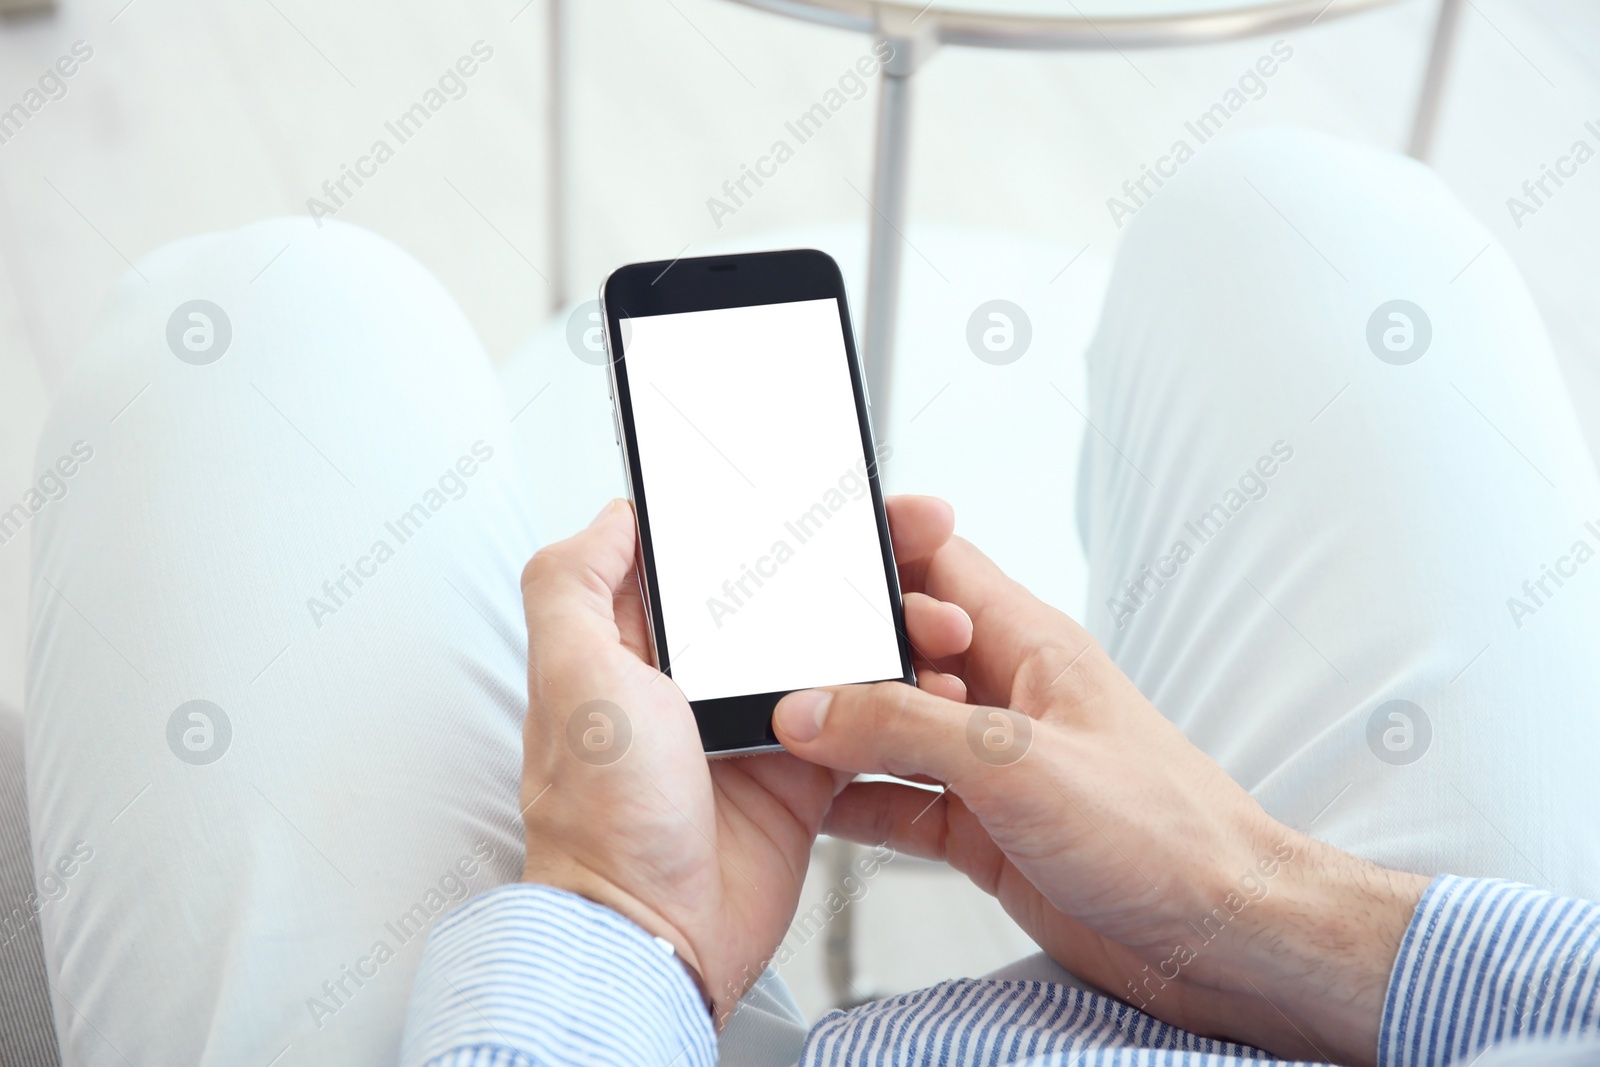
(738,724)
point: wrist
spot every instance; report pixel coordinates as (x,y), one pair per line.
(1307,973)
(574,877)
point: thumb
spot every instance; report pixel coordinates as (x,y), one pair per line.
(572,581)
(594,560)
(894,728)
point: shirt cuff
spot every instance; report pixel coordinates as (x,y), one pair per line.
(1484,961)
(538,977)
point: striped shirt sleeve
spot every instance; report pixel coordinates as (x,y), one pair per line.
(528,976)
(1485,962)
(531,976)
(1481,963)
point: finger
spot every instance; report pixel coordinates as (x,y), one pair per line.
(937,629)
(907,819)
(918,526)
(885,728)
(768,786)
(627,608)
(918,822)
(568,588)
(1009,625)
(940,684)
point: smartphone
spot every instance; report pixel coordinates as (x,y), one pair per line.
(742,417)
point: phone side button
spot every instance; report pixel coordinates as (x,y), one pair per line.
(616,429)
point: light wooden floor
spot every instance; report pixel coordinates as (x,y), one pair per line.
(195,115)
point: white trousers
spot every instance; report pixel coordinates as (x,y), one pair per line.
(290,534)
(1330,528)
(318,534)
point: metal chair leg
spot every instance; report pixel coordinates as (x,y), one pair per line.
(556,152)
(884,247)
(890,175)
(1430,101)
(839,946)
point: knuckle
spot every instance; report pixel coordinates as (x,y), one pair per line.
(893,704)
(548,563)
(908,730)
(1060,672)
(530,571)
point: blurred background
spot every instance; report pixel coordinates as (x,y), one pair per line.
(185,116)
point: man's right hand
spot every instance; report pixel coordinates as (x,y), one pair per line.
(1123,850)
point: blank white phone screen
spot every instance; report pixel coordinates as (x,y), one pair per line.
(755,483)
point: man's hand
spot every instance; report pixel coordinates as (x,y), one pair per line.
(620,802)
(1123,850)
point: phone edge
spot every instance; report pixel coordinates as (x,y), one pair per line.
(863,400)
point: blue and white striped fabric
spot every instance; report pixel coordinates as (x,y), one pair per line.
(528,976)
(1486,961)
(982,1022)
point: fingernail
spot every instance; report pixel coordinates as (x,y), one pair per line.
(611,505)
(801,715)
